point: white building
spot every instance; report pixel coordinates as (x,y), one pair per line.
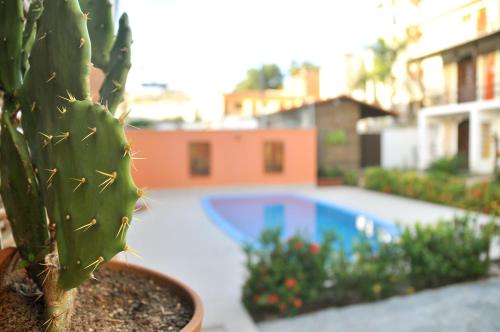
(457,64)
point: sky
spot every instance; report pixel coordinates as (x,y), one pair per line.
(208,45)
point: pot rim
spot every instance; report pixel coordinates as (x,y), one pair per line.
(180,288)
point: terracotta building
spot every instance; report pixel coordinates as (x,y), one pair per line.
(300,89)
(339,144)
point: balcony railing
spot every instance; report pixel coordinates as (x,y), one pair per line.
(466,94)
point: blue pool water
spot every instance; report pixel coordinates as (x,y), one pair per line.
(245,217)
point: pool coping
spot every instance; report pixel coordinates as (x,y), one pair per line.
(243,239)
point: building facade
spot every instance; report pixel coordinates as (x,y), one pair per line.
(456,63)
(339,143)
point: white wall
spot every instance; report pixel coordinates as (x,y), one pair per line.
(399,148)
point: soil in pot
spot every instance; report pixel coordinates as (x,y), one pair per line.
(116,301)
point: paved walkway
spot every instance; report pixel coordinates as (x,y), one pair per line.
(471,307)
(175,236)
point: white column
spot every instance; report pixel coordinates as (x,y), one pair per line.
(474,140)
(423,141)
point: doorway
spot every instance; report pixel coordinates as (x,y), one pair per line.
(466,79)
(463,143)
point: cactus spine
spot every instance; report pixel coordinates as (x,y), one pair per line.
(72,160)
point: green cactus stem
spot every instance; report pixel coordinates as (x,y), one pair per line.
(113,87)
(22,199)
(11,36)
(101,30)
(29,34)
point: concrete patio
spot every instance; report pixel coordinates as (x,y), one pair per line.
(176,237)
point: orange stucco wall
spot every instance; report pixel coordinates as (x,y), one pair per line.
(236,157)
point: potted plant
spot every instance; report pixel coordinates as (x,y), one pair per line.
(336,177)
(65,179)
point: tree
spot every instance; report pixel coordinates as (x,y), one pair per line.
(384,58)
(296,66)
(268,76)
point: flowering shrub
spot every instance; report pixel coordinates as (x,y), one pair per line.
(368,275)
(436,187)
(447,252)
(450,166)
(284,276)
(288,277)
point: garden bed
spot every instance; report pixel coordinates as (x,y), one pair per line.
(295,276)
(439,188)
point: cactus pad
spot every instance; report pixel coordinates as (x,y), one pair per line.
(100,26)
(78,148)
(113,87)
(11,37)
(22,198)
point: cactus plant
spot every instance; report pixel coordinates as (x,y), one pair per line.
(66,180)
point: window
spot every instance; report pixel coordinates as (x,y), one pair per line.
(199,158)
(489,76)
(486,140)
(274,152)
(481,20)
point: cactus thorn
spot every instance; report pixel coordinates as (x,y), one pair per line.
(129,249)
(82,42)
(70,98)
(63,136)
(117,85)
(48,138)
(52,320)
(52,174)
(47,270)
(51,77)
(92,132)
(80,182)
(141,194)
(68,216)
(33,105)
(95,264)
(127,149)
(87,226)
(86,16)
(62,109)
(43,36)
(110,180)
(123,226)
(124,116)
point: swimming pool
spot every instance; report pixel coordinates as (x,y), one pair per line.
(244,217)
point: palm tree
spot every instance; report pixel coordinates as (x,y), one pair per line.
(384,58)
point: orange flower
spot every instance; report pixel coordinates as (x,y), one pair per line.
(273,299)
(282,307)
(290,283)
(314,248)
(297,303)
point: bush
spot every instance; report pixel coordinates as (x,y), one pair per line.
(447,252)
(293,276)
(437,187)
(349,176)
(284,276)
(446,165)
(369,275)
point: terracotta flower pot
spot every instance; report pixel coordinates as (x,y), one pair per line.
(183,291)
(335,181)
